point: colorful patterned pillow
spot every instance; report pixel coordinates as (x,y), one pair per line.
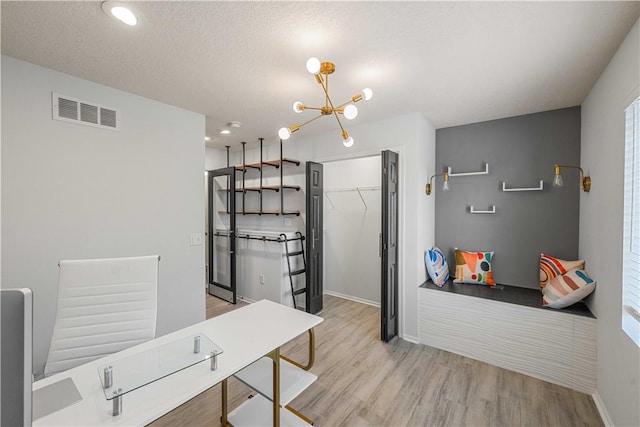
(551,267)
(474,267)
(562,291)
(437,266)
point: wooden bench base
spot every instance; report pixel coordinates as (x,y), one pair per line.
(506,328)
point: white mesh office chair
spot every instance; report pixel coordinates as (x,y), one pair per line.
(104,306)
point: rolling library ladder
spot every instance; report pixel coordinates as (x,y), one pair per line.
(298,271)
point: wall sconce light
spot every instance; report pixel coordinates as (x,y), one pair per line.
(585,181)
(445,183)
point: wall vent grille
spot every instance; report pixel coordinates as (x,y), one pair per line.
(78,111)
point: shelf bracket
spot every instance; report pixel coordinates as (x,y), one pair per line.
(329,199)
(361,198)
(540,187)
(492,211)
(484,172)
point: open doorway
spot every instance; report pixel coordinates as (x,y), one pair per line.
(352,227)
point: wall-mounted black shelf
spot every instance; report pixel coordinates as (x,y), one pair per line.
(260,189)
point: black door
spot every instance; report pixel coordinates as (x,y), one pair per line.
(389,273)
(222,243)
(314,237)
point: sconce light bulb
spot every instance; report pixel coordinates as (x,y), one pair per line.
(557,180)
(284,133)
(445,185)
(348,142)
(367,93)
(313,65)
(350,112)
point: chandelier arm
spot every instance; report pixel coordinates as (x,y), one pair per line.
(310,120)
(313,108)
(351,101)
(338,119)
(325,86)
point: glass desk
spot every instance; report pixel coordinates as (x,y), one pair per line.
(122,376)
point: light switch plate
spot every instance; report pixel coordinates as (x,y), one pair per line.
(196,239)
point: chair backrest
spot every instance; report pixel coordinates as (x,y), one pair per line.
(104,306)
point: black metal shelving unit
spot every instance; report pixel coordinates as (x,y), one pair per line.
(261,188)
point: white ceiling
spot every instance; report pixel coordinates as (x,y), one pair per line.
(454,62)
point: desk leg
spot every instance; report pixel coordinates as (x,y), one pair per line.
(275,356)
(312,353)
(225,421)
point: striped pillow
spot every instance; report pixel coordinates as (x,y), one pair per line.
(551,267)
(562,291)
(437,267)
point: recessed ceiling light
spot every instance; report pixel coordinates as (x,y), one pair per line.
(234,125)
(206,138)
(120,12)
(225,132)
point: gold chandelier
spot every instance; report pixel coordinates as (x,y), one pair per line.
(321,71)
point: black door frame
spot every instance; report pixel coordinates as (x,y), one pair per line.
(220,290)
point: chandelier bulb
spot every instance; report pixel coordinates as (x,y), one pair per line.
(298,107)
(367,93)
(284,133)
(348,142)
(313,65)
(350,112)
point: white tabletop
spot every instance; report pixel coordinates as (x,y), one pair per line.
(245,335)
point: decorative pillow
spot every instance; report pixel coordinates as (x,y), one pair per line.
(551,267)
(437,266)
(474,267)
(562,291)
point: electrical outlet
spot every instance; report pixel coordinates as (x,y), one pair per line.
(262,279)
(196,239)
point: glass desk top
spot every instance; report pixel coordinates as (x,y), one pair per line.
(130,373)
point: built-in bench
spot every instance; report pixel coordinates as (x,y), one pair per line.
(508,327)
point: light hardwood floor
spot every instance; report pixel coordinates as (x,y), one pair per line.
(365,382)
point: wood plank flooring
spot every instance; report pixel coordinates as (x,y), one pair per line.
(365,382)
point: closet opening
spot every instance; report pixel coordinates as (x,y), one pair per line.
(352,229)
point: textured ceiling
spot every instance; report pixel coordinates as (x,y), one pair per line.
(454,62)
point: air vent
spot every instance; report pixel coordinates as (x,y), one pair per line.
(81,112)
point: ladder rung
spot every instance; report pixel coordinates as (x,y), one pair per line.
(295,253)
(300,291)
(296,272)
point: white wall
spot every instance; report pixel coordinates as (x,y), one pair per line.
(601,217)
(414,138)
(352,226)
(71,191)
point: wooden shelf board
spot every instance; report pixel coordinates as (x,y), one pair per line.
(276,163)
(264,187)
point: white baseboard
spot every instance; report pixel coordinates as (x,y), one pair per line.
(606,419)
(411,339)
(352,298)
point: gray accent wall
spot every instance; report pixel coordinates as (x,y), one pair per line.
(520,151)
